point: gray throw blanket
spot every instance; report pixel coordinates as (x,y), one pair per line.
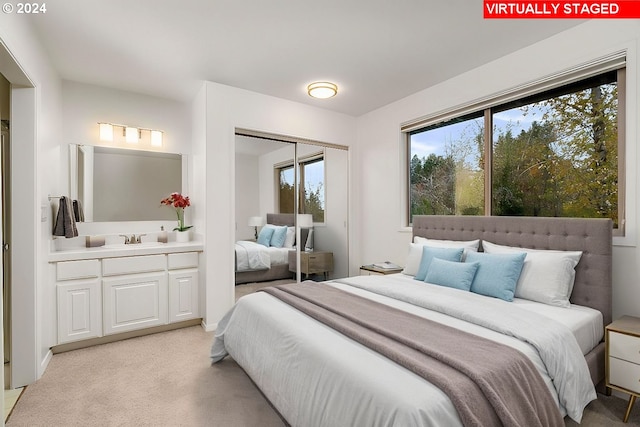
(490,384)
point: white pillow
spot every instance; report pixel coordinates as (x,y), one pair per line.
(415,251)
(468,245)
(290,240)
(547,276)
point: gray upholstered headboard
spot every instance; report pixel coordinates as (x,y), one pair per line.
(287,219)
(591,236)
(281,219)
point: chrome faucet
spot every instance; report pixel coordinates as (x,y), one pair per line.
(133,239)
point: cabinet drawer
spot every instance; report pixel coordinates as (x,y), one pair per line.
(133,264)
(183,260)
(85,269)
(320,262)
(625,347)
(624,374)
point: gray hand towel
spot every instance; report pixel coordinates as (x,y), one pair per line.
(78,212)
(65,221)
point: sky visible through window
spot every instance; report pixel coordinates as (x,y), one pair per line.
(436,141)
(314,177)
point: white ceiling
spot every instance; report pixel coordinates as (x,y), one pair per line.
(377,51)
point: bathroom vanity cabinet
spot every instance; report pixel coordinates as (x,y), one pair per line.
(124,291)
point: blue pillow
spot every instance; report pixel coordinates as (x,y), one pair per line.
(279,236)
(497,274)
(431,252)
(264,238)
(452,274)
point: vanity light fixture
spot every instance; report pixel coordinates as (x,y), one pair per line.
(156,138)
(131,135)
(106,131)
(322,90)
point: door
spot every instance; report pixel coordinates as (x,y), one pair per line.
(5,164)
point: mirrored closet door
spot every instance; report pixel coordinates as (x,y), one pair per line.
(277,177)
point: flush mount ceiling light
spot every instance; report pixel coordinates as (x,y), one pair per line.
(322,90)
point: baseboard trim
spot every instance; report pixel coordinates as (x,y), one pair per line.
(209,328)
(45,363)
(123,336)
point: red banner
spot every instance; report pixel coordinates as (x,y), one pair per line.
(562,9)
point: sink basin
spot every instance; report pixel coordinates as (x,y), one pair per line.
(133,245)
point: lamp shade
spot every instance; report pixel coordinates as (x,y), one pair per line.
(255,221)
(156,138)
(106,132)
(131,135)
(305,220)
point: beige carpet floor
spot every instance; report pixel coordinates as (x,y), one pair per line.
(166,379)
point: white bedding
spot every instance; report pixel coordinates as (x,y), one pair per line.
(315,376)
(585,323)
(251,256)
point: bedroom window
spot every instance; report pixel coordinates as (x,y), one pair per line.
(556,153)
(312,193)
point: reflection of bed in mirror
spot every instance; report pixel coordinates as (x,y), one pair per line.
(258,263)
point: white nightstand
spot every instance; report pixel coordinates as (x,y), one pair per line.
(622,339)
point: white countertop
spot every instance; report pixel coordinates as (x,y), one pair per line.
(111,251)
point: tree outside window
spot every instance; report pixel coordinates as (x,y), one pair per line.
(554,154)
(311,193)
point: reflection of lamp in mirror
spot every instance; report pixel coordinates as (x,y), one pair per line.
(256,221)
(305,220)
(106,132)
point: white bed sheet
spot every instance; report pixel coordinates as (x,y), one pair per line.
(284,362)
(279,256)
(252,256)
(584,322)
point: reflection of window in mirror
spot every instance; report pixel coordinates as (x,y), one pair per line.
(312,193)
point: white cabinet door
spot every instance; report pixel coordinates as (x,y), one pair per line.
(183,295)
(134,302)
(79,310)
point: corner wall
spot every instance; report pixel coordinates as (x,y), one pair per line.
(36,118)
(227,108)
(380,198)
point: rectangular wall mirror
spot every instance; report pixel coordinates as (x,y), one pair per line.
(117,184)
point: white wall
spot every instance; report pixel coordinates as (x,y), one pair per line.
(248,194)
(84,105)
(379,197)
(225,109)
(36,129)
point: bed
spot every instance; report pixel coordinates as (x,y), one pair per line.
(314,375)
(275,264)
